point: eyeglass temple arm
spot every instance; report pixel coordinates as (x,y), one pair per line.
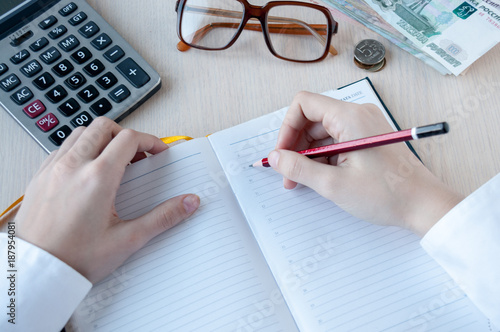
(274,28)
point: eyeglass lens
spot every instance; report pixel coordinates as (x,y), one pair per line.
(295,32)
(211,24)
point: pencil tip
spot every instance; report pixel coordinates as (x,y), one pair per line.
(250,165)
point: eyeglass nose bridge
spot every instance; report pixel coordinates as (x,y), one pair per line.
(260,14)
(255,12)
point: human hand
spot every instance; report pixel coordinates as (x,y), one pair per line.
(69,211)
(367,183)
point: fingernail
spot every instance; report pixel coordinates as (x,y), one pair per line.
(191,203)
(273,158)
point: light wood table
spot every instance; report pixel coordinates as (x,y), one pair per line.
(204,92)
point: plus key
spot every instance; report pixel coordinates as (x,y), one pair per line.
(133,73)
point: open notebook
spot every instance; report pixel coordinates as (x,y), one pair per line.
(257,257)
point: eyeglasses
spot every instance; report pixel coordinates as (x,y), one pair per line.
(294,31)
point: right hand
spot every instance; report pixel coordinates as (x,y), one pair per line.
(366,183)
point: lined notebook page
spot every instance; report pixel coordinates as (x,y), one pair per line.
(336,272)
(205,274)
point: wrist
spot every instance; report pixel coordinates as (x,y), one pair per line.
(431,203)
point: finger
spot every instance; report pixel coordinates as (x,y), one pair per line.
(94,139)
(138,156)
(70,141)
(297,168)
(127,144)
(48,160)
(163,217)
(306,108)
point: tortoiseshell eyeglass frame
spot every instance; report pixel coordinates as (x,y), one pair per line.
(267,24)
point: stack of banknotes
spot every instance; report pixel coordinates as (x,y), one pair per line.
(448,35)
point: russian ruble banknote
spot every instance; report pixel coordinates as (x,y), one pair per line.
(449,35)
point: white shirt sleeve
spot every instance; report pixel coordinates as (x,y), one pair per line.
(45,290)
(466,243)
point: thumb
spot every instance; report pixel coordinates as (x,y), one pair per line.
(297,168)
(165,216)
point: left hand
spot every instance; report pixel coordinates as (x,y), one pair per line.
(69,211)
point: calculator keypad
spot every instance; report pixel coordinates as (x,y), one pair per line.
(74,67)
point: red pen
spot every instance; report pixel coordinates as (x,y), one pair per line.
(370,142)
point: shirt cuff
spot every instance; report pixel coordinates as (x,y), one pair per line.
(47,289)
(466,243)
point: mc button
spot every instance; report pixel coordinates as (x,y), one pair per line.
(10,83)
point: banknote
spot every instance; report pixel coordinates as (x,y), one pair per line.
(364,14)
(453,32)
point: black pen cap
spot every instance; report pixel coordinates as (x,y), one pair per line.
(432,130)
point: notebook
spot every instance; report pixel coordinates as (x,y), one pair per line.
(257,257)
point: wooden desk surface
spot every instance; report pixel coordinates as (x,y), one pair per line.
(204,92)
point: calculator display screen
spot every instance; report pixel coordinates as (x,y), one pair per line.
(8,5)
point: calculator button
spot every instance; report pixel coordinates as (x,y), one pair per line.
(82,55)
(133,73)
(63,68)
(106,81)
(50,56)
(69,44)
(56,95)
(34,109)
(101,42)
(89,29)
(39,44)
(20,57)
(88,94)
(68,9)
(101,107)
(76,81)
(3,68)
(119,94)
(31,69)
(114,54)
(78,18)
(58,32)
(83,119)
(22,95)
(70,107)
(94,68)
(48,22)
(44,81)
(10,83)
(48,122)
(60,135)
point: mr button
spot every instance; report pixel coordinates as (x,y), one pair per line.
(133,73)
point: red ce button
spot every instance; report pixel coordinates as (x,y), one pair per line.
(34,109)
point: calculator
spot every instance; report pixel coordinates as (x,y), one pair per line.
(62,65)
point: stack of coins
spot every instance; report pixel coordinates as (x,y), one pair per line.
(369,54)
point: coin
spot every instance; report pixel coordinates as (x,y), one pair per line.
(369,52)
(362,66)
(377,67)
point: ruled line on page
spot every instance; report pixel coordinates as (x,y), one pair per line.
(359,263)
(202,273)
